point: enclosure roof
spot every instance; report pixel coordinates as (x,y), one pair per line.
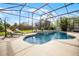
(33,11)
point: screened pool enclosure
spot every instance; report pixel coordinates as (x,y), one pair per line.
(41,16)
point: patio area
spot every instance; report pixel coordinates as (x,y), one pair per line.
(17,47)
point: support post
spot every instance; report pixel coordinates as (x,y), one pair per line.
(5,28)
(32,22)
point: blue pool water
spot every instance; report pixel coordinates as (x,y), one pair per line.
(41,38)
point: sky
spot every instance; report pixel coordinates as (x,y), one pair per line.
(32,7)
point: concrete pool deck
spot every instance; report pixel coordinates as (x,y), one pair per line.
(17,47)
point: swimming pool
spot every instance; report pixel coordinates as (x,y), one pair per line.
(41,38)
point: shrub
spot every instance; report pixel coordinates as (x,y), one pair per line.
(1,28)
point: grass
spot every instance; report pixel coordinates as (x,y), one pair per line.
(27,31)
(24,31)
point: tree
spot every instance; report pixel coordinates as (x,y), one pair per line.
(8,25)
(63,23)
(52,26)
(1,26)
(43,24)
(40,24)
(76,24)
(46,24)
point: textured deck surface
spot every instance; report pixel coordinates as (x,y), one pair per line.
(17,47)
